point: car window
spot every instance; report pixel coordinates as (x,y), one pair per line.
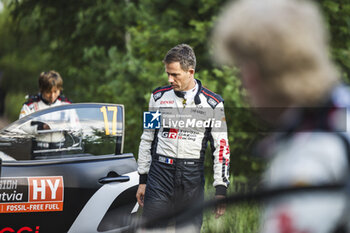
(65,131)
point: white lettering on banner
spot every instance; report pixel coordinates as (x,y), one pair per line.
(36,207)
(191,123)
(37,189)
(31,194)
(5,197)
(8,184)
(14,208)
(51,207)
(42,189)
(53,188)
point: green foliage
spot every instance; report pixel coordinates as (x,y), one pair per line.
(14,102)
(337,14)
(238,218)
(21,57)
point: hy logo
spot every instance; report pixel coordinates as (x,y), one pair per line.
(151,120)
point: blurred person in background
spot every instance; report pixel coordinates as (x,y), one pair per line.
(50,87)
(281,48)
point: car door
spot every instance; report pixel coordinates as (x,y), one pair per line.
(72,177)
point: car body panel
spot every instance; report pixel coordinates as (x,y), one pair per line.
(73,187)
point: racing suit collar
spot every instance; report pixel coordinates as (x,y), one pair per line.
(180,94)
(197,100)
(45,101)
(196,97)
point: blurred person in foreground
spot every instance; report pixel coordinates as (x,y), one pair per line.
(281,48)
(50,87)
(171,158)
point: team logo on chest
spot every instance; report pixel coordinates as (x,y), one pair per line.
(163,102)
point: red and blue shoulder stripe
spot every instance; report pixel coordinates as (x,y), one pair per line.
(213,99)
(158,92)
(62,98)
(32,99)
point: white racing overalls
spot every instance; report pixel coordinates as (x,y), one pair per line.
(171,158)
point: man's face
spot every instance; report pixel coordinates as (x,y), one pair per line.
(178,78)
(52,95)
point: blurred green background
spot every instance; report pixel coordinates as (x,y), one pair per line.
(111,51)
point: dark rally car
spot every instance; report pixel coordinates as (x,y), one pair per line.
(63,170)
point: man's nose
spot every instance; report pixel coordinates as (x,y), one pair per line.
(170,79)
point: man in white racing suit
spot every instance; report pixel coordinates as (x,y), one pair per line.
(171,158)
(281,48)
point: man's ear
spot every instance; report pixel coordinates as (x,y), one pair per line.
(191,70)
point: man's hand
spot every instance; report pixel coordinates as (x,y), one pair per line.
(140,194)
(220,209)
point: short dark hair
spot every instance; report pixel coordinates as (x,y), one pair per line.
(182,53)
(48,80)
